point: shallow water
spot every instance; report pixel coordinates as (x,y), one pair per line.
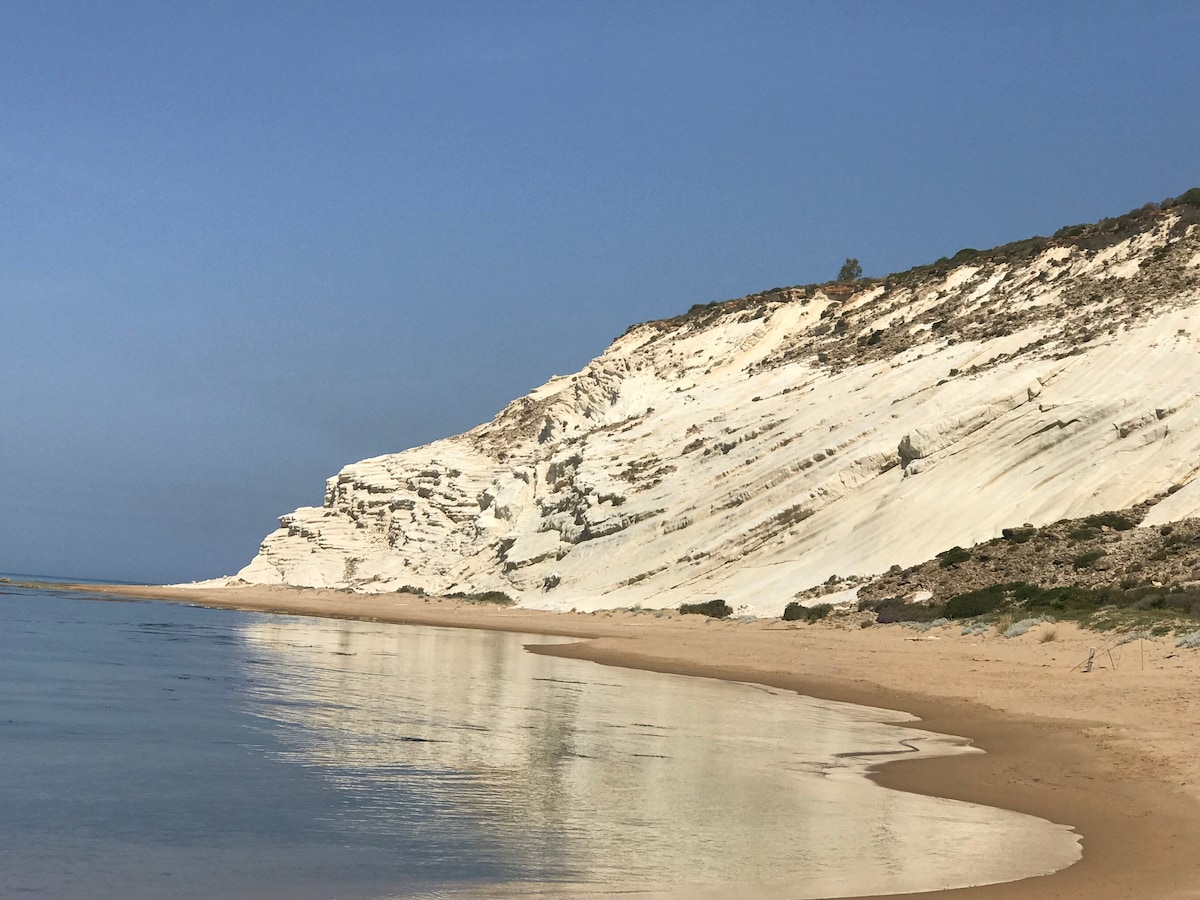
(153,750)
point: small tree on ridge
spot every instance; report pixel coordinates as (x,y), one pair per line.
(850,271)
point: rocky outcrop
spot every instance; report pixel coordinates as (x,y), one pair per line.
(753,449)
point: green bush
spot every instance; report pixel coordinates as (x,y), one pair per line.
(1115,521)
(1068,231)
(1190,197)
(498,597)
(1022,591)
(714,609)
(974,603)
(1074,599)
(893,609)
(1087,560)
(1018,535)
(794,611)
(954,555)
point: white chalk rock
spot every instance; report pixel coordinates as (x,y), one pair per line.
(746,451)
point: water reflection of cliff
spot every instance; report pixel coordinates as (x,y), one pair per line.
(569,771)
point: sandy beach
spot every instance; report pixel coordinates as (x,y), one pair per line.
(1111,752)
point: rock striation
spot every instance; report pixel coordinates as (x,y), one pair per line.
(753,449)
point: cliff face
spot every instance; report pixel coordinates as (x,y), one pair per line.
(753,449)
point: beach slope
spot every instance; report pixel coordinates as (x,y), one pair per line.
(1110,752)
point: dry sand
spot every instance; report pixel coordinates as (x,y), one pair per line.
(1111,752)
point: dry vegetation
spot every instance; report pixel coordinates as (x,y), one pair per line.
(1103,570)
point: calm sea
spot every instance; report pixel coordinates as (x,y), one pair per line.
(150,750)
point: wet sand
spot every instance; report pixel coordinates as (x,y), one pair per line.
(1111,752)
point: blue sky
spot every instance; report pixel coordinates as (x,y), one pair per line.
(243,244)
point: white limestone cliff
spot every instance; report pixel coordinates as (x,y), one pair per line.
(753,449)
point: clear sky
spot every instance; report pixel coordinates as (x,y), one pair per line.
(243,244)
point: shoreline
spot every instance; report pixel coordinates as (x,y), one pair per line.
(1110,753)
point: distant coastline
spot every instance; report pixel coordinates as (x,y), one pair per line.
(1109,753)
(23,578)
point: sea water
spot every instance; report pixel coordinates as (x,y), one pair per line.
(152,750)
